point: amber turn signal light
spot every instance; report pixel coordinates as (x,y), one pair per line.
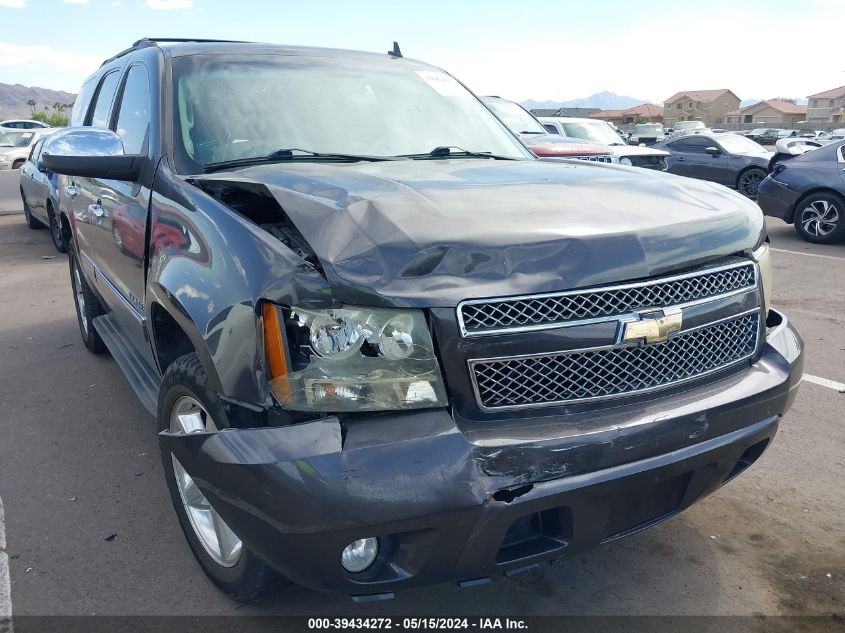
(273,343)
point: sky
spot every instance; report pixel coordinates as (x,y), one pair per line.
(539,50)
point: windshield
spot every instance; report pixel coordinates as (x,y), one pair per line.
(238,107)
(735,144)
(598,132)
(689,125)
(16,139)
(645,130)
(515,117)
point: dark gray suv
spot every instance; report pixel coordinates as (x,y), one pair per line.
(385,345)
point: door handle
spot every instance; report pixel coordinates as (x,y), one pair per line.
(680,158)
(96,210)
(71,191)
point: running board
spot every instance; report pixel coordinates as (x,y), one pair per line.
(143,378)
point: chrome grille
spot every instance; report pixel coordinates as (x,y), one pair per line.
(595,159)
(609,372)
(491,316)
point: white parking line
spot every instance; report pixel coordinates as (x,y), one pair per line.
(824,382)
(5,582)
(783,250)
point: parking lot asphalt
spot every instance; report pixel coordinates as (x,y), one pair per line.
(90,529)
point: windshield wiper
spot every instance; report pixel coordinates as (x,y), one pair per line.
(450,151)
(292,153)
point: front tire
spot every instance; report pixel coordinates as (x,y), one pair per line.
(749,180)
(88,306)
(187,405)
(31,222)
(56,230)
(820,218)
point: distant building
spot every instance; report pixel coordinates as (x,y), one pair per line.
(574,112)
(827,107)
(643,113)
(710,106)
(769,113)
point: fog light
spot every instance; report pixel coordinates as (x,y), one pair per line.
(359,555)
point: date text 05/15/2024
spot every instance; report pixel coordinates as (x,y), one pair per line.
(417,624)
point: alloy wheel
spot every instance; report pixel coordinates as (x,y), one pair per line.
(215,536)
(56,231)
(749,182)
(820,218)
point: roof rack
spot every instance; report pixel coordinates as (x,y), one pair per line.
(184,39)
(145,42)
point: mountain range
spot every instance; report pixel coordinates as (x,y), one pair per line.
(13,98)
(606,100)
(603,100)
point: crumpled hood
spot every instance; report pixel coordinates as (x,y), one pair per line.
(434,232)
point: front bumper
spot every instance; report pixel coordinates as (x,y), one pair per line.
(776,200)
(448,505)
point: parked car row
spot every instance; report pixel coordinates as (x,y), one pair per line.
(601,133)
(17,144)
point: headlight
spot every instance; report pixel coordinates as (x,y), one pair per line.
(352,359)
(763,257)
(625,161)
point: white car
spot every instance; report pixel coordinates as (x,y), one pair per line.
(15,145)
(22,124)
(601,133)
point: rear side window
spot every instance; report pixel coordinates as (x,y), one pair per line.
(105,96)
(133,119)
(695,145)
(80,106)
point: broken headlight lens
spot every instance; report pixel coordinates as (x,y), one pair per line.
(355,359)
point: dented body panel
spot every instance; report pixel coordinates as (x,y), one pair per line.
(443,492)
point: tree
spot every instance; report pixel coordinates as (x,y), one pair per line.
(53,120)
(31,104)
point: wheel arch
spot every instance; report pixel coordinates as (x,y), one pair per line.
(173,334)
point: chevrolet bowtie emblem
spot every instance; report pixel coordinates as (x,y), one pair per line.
(655,330)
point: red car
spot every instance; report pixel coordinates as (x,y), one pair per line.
(537,138)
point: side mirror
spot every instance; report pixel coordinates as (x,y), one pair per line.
(90,153)
(713,151)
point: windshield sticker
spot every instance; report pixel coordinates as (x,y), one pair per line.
(442,83)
